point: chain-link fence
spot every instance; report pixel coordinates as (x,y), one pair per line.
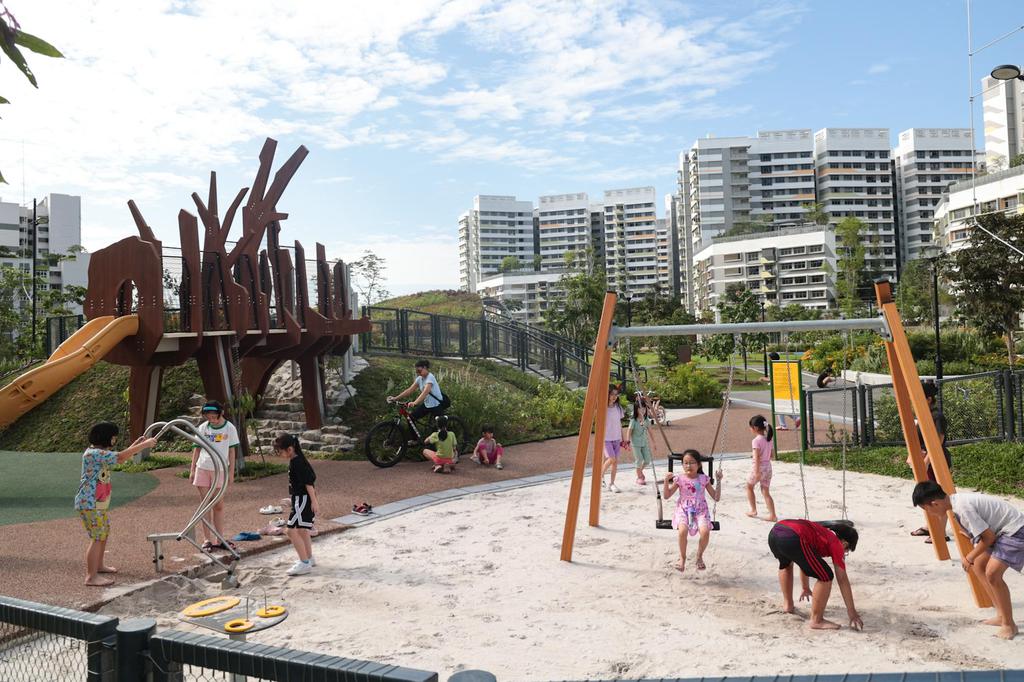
(841,411)
(40,642)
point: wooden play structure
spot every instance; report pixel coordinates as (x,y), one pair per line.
(910,401)
(241,308)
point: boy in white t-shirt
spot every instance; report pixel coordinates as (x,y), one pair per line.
(997,530)
(224,437)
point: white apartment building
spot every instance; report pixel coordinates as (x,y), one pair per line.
(997,192)
(564,224)
(781,176)
(632,261)
(1003,106)
(495,228)
(854,179)
(927,162)
(532,292)
(714,186)
(676,253)
(59,225)
(791,265)
(597,231)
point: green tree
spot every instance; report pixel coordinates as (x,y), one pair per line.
(851,277)
(509,264)
(815,213)
(1017,160)
(537,260)
(368,277)
(578,316)
(914,292)
(738,305)
(988,278)
(761,224)
(16,340)
(12,38)
(667,347)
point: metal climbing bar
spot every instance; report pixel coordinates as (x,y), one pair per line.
(878,324)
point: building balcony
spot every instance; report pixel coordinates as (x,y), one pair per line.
(767,288)
(767,260)
(765,274)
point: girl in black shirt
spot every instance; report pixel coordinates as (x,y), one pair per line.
(301,489)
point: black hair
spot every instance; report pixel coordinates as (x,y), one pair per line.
(761,424)
(930,389)
(423,363)
(102,434)
(442,427)
(844,531)
(697,456)
(486,428)
(773,356)
(287,440)
(825,374)
(927,491)
(637,404)
(213,406)
(614,387)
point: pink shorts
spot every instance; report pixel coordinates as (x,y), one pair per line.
(204,478)
(612,448)
(766,477)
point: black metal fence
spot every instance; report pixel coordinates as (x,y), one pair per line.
(59,329)
(527,348)
(41,642)
(988,406)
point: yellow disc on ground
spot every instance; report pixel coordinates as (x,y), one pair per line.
(238,625)
(208,607)
(272,611)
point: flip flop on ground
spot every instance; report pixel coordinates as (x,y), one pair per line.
(363,509)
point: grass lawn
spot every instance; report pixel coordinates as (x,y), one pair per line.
(996,468)
(453,303)
(644,359)
(751,381)
(42,486)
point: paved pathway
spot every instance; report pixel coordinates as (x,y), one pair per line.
(42,561)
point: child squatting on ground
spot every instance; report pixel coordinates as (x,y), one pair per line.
(997,531)
(637,435)
(806,543)
(692,515)
(93,498)
(445,442)
(761,470)
(224,438)
(613,441)
(488,450)
(305,507)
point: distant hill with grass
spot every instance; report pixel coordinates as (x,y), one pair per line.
(439,302)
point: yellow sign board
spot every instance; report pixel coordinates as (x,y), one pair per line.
(785,382)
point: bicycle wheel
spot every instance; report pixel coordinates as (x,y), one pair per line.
(456,426)
(385,444)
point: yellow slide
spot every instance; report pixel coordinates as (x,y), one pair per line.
(81,351)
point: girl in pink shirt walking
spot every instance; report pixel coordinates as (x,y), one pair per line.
(761,471)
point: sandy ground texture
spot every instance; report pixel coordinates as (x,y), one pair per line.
(476,583)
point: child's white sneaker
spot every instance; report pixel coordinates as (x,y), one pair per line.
(312,561)
(498,466)
(299,568)
(614,488)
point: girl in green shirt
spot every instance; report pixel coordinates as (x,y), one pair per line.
(445,443)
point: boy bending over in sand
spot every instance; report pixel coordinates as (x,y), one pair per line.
(997,530)
(806,543)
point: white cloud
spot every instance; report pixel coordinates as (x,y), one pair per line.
(876,69)
(430,261)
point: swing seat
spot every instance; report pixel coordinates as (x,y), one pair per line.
(663,524)
(837,522)
(715,525)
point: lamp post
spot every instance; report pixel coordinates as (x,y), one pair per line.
(764,345)
(932,254)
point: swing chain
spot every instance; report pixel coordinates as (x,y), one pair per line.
(723,422)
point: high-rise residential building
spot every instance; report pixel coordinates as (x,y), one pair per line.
(531,292)
(495,228)
(790,265)
(999,192)
(597,231)
(714,186)
(854,179)
(675,253)
(927,162)
(58,238)
(564,225)
(781,176)
(1003,106)
(631,241)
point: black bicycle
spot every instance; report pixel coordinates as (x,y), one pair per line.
(389,441)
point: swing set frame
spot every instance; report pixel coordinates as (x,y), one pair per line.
(910,402)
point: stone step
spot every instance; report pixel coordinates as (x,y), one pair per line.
(282,415)
(281,424)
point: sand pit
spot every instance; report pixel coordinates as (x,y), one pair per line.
(476,583)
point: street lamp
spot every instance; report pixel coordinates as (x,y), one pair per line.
(1007,72)
(932,254)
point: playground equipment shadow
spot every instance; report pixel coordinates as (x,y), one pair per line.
(42,560)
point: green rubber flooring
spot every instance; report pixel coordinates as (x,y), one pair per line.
(37,486)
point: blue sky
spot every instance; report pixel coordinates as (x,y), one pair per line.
(411,108)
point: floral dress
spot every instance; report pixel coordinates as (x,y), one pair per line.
(692,505)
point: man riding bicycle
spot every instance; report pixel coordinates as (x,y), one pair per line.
(430,400)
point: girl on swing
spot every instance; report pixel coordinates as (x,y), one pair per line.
(692,515)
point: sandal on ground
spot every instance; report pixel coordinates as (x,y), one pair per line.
(919,533)
(225,548)
(438,469)
(928,540)
(278,522)
(270,509)
(363,509)
(208,546)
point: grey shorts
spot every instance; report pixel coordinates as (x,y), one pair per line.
(1010,550)
(642,454)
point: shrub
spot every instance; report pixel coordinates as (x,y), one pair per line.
(971,409)
(687,386)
